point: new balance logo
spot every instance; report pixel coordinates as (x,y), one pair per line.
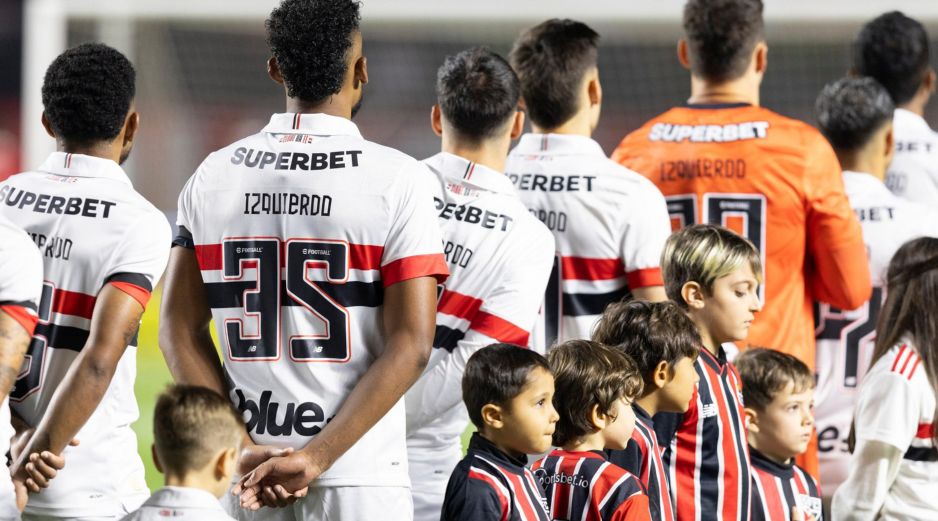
(708,410)
(305,419)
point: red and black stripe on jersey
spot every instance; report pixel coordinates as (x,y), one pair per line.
(489,485)
(705,449)
(777,487)
(469,309)
(23,312)
(586,487)
(642,457)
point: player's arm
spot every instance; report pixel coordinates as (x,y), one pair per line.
(838,271)
(874,466)
(15,334)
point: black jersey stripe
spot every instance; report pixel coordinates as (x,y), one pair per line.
(350,294)
(586,304)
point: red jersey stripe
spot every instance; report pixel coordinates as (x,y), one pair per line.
(208,256)
(899,356)
(522,497)
(584,268)
(906,363)
(139,294)
(23,316)
(644,278)
(458,305)
(499,329)
(914,367)
(361,256)
(730,489)
(773,501)
(925,431)
(73,303)
(430,265)
(482,476)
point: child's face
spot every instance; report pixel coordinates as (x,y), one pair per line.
(529,418)
(730,308)
(618,432)
(678,392)
(786,424)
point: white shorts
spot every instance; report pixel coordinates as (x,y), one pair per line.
(334,504)
(430,470)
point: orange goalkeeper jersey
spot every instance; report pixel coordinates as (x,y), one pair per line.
(775,181)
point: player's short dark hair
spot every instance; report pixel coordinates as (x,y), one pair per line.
(495,374)
(190,425)
(721,35)
(477,92)
(311,40)
(586,375)
(893,49)
(850,110)
(649,333)
(551,60)
(767,372)
(87,92)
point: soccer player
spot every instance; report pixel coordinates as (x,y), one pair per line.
(508,392)
(664,343)
(196,435)
(499,256)
(20,292)
(595,386)
(723,159)
(318,255)
(610,223)
(856,116)
(714,275)
(103,248)
(894,49)
(895,460)
(778,390)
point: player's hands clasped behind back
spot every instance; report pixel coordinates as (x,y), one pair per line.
(35,471)
(274,476)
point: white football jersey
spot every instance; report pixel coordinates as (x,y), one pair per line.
(92,228)
(20,290)
(610,225)
(845,338)
(500,257)
(913,173)
(180,504)
(297,231)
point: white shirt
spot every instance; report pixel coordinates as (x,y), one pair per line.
(180,504)
(913,173)
(500,257)
(609,222)
(297,230)
(896,410)
(845,338)
(93,229)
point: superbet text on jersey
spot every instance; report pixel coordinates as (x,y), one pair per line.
(610,225)
(92,229)
(297,231)
(500,257)
(845,337)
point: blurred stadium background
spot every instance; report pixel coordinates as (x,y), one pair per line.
(202,81)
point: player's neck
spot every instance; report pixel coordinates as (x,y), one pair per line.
(741,90)
(649,402)
(917,104)
(579,125)
(102,149)
(334,106)
(587,443)
(864,163)
(489,154)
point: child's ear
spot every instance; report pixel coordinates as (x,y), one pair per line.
(156,459)
(661,374)
(225,464)
(752,419)
(693,294)
(598,418)
(492,416)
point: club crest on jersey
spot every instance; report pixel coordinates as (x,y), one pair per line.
(809,505)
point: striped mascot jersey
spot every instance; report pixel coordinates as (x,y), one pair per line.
(92,229)
(610,224)
(489,485)
(778,487)
(584,486)
(642,457)
(706,454)
(297,231)
(499,257)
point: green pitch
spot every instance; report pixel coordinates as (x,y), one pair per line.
(152,377)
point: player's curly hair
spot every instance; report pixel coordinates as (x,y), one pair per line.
(721,35)
(310,40)
(893,49)
(851,110)
(87,92)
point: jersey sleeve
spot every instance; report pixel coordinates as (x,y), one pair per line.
(838,273)
(184,214)
(473,498)
(635,508)
(138,263)
(20,281)
(644,236)
(887,410)
(507,315)
(414,245)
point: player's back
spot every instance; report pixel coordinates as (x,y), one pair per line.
(92,229)
(609,223)
(845,338)
(913,173)
(297,231)
(775,181)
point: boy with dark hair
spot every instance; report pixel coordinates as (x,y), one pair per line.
(894,50)
(610,223)
(713,274)
(196,437)
(778,390)
(664,344)
(104,251)
(318,257)
(595,386)
(508,392)
(477,116)
(856,116)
